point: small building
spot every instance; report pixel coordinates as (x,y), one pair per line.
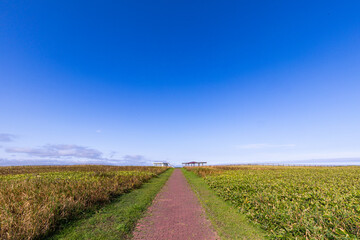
(193,164)
(161,164)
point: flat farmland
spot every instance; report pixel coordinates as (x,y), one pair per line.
(292,202)
(34,200)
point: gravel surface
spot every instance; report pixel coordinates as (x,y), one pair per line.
(175,214)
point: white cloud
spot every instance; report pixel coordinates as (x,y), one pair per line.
(58,151)
(138,159)
(128,160)
(5,137)
(112,154)
(265,146)
(65,154)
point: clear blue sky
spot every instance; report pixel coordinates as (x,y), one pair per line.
(128,82)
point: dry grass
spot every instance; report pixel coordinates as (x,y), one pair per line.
(34,200)
(68,168)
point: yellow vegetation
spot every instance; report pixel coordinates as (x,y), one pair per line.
(34,200)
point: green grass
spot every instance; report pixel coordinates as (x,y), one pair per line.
(227,221)
(116,220)
(292,202)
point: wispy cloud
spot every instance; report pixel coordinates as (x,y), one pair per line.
(59,151)
(5,137)
(112,154)
(64,154)
(265,146)
(138,159)
(74,161)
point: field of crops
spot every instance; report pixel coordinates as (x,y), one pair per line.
(292,202)
(34,200)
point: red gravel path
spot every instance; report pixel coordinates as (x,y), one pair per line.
(175,214)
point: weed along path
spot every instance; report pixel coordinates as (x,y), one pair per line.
(175,214)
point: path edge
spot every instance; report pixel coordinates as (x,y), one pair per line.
(92,227)
(225,218)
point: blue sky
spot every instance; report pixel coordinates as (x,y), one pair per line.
(128,82)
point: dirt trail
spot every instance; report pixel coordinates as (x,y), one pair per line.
(175,214)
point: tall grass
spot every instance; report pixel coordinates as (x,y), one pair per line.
(36,199)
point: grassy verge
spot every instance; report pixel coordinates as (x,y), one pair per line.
(227,221)
(116,220)
(37,200)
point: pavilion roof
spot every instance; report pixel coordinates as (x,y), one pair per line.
(193,162)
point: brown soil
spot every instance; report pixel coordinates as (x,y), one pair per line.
(175,214)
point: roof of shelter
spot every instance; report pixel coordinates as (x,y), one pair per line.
(192,162)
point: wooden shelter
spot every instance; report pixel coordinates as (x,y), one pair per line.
(193,164)
(161,164)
